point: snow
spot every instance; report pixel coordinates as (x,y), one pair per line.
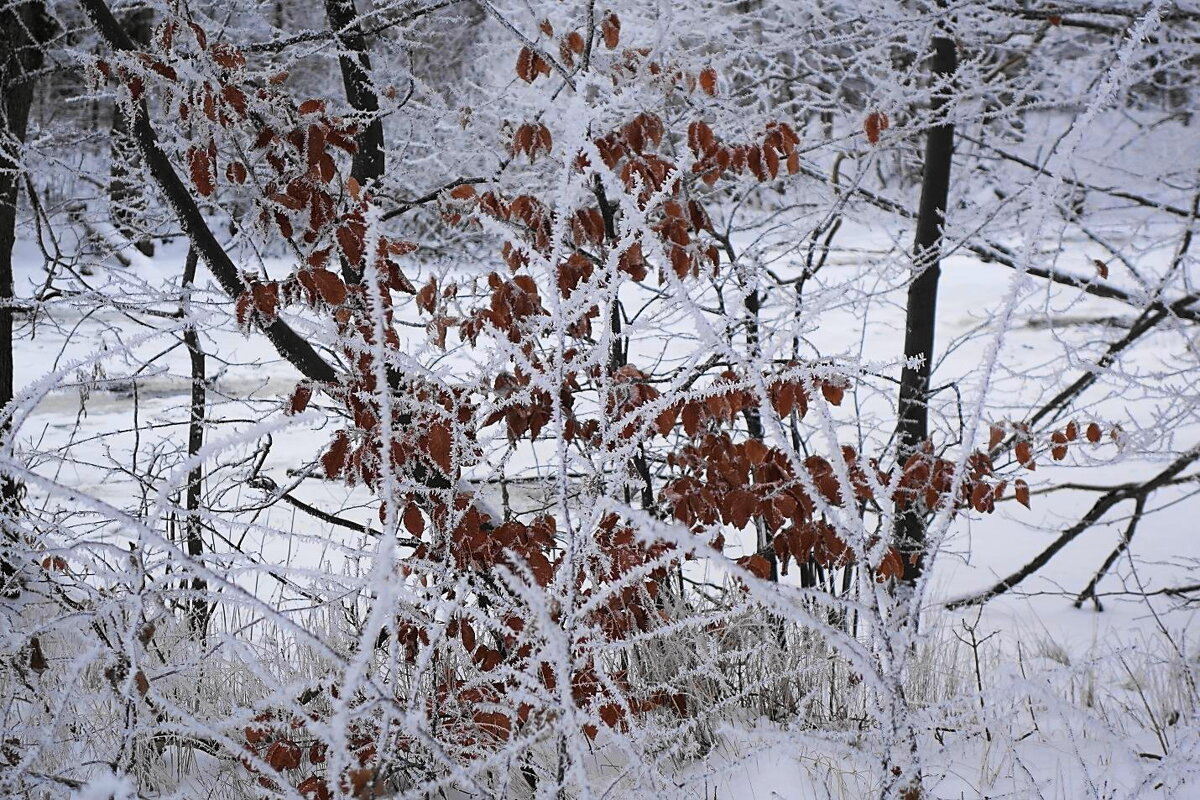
(790,692)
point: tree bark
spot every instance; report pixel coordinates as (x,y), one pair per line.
(368,162)
(912,428)
(24,27)
(198,606)
(289,344)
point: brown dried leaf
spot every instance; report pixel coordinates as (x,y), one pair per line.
(299,399)
(875,123)
(1022,492)
(610,28)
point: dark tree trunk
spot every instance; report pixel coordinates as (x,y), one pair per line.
(198,607)
(289,344)
(360,92)
(912,428)
(24,27)
(367,166)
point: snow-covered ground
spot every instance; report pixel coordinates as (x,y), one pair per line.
(1025,696)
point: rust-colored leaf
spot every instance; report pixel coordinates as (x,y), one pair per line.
(1058,448)
(228,56)
(314,787)
(201,36)
(235,98)
(243,308)
(329,286)
(440,446)
(525,68)
(266,299)
(350,235)
(708,81)
(283,755)
(414,523)
(236,172)
(892,566)
(54,564)
(334,460)
(494,724)
(756,565)
(201,170)
(164,70)
(611,714)
(610,28)
(995,437)
(979,496)
(1024,452)
(875,123)
(833,393)
(741,505)
(1093,433)
(301,395)
(1022,492)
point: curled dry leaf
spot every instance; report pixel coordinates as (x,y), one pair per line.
(525,67)
(1024,452)
(756,565)
(995,436)
(610,29)
(283,755)
(200,166)
(875,123)
(1058,448)
(833,393)
(299,399)
(414,523)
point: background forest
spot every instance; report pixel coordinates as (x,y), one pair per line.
(503,398)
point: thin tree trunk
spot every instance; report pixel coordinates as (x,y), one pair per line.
(198,606)
(23,29)
(368,163)
(912,428)
(289,344)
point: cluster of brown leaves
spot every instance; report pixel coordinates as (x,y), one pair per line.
(532,62)
(1059,444)
(762,159)
(512,302)
(530,139)
(290,750)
